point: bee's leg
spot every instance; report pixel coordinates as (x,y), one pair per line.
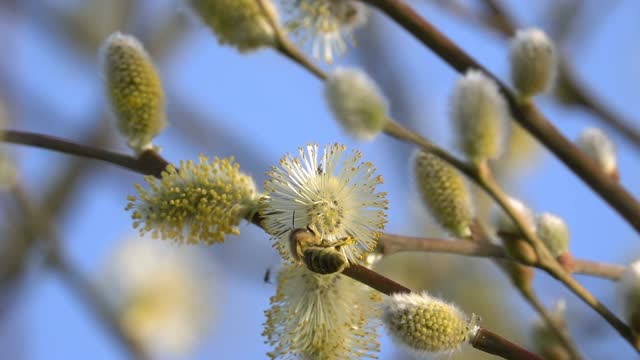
(345,241)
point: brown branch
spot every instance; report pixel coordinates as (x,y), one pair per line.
(392,244)
(524,113)
(501,20)
(495,344)
(148,163)
(374,280)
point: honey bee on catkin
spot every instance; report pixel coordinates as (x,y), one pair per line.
(320,256)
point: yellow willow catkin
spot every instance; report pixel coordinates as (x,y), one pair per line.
(444,192)
(239,23)
(424,324)
(200,202)
(134,90)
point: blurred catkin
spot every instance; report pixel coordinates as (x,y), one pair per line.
(134,90)
(356,102)
(239,23)
(478,114)
(444,193)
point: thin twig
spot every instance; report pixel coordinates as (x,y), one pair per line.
(525,113)
(391,244)
(521,277)
(148,163)
(558,329)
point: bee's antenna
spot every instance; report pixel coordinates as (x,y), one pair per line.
(293,220)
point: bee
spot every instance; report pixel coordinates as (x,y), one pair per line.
(319,255)
(324,261)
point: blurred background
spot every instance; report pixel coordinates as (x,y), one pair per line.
(260,106)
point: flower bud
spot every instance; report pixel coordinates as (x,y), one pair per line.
(597,145)
(356,102)
(533,62)
(239,23)
(444,192)
(629,295)
(504,224)
(197,203)
(424,324)
(478,113)
(553,232)
(134,89)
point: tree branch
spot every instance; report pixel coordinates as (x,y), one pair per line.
(580,94)
(525,114)
(148,163)
(495,344)
(392,244)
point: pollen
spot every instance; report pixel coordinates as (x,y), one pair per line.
(321,317)
(200,202)
(329,192)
